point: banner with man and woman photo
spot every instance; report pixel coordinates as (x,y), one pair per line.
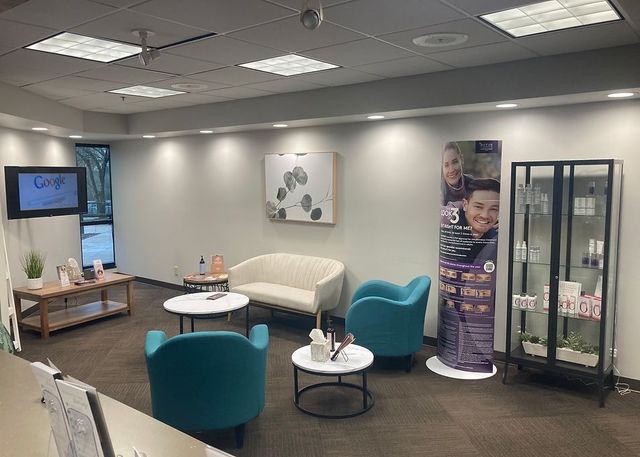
(469,216)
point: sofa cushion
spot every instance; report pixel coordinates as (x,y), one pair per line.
(278,295)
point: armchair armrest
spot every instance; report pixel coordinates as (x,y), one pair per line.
(376,288)
(328,290)
(259,337)
(244,272)
(155,338)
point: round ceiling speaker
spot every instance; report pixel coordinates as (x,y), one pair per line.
(440,40)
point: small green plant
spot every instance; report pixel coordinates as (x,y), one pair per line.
(33,263)
(576,342)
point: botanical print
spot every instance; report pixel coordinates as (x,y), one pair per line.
(300,187)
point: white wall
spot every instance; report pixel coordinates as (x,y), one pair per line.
(58,237)
(178,198)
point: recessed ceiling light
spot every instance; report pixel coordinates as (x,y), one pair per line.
(75,136)
(206,131)
(288,65)
(621,95)
(189,86)
(551,15)
(39,129)
(146,91)
(84,47)
(375,116)
(507,105)
(280,126)
(148,136)
(440,40)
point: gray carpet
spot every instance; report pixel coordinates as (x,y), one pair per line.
(415,414)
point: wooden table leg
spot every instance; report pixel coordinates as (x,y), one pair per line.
(130,297)
(44,318)
(17,303)
(104,295)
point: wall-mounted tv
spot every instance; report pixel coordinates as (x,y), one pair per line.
(45,191)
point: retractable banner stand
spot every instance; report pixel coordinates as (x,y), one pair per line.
(469,214)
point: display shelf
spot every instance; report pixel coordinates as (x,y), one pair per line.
(561,239)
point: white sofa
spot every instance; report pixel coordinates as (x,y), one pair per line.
(289,282)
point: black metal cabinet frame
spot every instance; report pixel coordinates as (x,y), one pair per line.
(563,224)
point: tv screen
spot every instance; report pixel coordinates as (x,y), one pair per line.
(45,191)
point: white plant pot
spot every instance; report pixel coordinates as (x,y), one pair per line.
(580,358)
(35,283)
(534,349)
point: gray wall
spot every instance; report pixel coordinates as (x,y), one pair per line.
(178,198)
(58,237)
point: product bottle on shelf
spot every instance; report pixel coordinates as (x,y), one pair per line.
(523,251)
(202,265)
(590,200)
(545,204)
(537,198)
(528,195)
(517,253)
(520,198)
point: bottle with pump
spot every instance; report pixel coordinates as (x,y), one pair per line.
(331,334)
(202,265)
(523,251)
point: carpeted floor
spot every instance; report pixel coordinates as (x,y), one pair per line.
(415,414)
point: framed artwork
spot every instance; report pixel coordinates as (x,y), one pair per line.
(301,187)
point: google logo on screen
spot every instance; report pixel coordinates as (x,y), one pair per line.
(39,182)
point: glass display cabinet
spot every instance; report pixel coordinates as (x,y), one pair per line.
(562,268)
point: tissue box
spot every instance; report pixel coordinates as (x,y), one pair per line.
(320,352)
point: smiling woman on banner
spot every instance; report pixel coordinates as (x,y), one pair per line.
(455,183)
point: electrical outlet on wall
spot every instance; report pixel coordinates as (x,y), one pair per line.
(175,270)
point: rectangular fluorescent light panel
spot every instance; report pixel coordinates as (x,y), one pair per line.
(146,91)
(84,47)
(551,15)
(289,65)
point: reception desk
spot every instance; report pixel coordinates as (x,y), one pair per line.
(25,430)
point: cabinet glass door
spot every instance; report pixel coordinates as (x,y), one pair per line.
(580,303)
(531,261)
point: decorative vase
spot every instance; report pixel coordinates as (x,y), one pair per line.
(35,283)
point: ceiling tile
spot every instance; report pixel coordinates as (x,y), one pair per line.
(127,108)
(99,100)
(358,53)
(118,3)
(478,33)
(404,67)
(12,74)
(46,62)
(56,93)
(581,39)
(376,17)
(14,35)
(126,75)
(285,85)
(295,4)
(337,77)
(170,63)
(475,7)
(57,14)
(289,35)
(75,82)
(166,84)
(238,92)
(177,101)
(236,76)
(483,55)
(224,50)
(118,27)
(218,16)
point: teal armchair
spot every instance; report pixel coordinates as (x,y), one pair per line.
(388,319)
(207,380)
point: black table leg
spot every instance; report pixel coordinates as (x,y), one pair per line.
(246,329)
(295,385)
(339,379)
(181,327)
(364,389)
(192,329)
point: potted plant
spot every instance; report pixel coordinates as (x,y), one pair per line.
(533,345)
(33,266)
(575,349)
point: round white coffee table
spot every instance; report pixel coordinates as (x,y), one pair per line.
(359,360)
(197,306)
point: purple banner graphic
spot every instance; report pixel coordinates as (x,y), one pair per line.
(469,212)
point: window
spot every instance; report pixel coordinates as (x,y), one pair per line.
(96,226)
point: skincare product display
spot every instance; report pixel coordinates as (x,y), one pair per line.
(532,198)
(522,254)
(593,257)
(591,204)
(527,302)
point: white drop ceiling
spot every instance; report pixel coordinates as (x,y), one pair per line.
(369,39)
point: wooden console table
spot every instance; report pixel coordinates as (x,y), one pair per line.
(49,321)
